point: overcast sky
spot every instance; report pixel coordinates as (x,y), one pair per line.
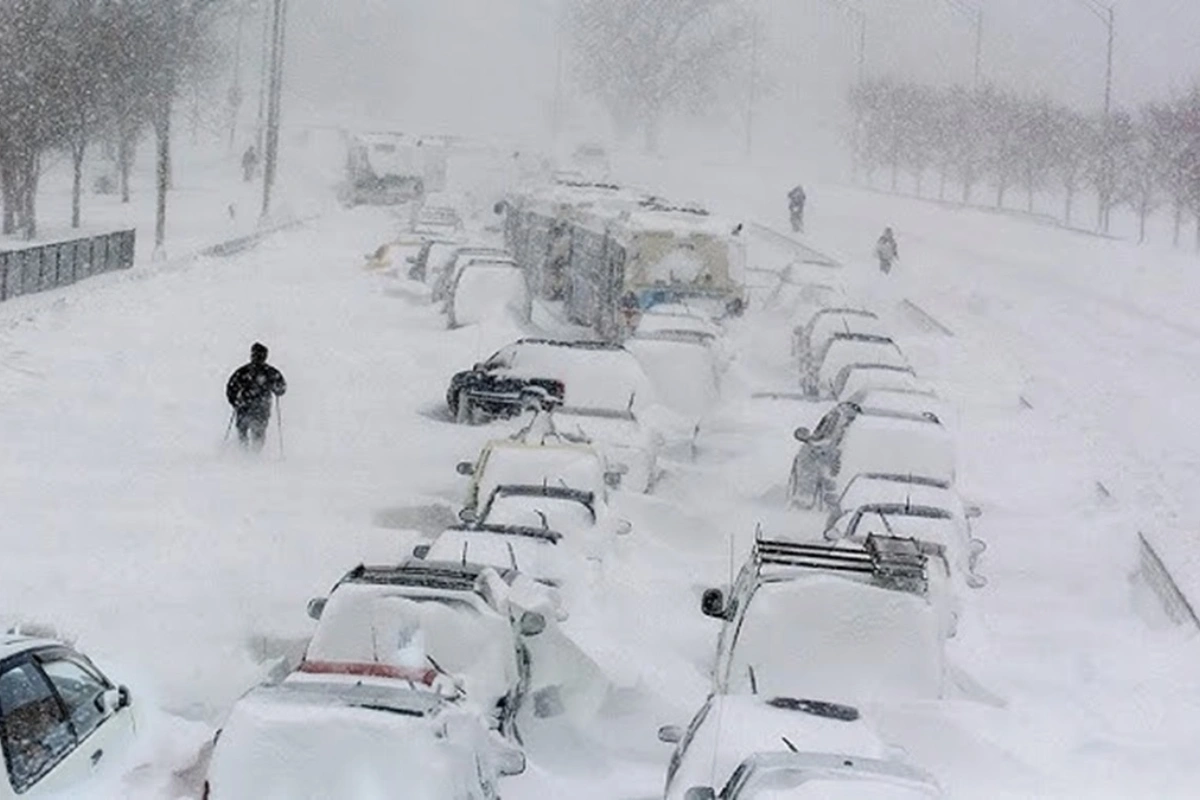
(489,65)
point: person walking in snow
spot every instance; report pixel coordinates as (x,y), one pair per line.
(249,163)
(796,200)
(887,251)
(250,390)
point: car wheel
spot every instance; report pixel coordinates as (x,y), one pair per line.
(462,409)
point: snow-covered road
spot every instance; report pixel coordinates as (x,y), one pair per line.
(184,567)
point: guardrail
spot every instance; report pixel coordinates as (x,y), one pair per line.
(49,266)
(1154,572)
(804,254)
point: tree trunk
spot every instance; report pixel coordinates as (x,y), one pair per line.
(942,185)
(162,130)
(125,153)
(29,198)
(1001,190)
(895,174)
(8,198)
(1070,190)
(77,152)
(920,181)
(1029,198)
(1143,212)
(1178,220)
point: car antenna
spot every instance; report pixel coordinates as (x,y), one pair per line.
(789,744)
(512,556)
(632,397)
(753,679)
(464,554)
(545,524)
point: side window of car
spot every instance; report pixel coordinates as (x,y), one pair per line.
(35,731)
(80,689)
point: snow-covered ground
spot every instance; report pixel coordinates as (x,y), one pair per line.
(184,567)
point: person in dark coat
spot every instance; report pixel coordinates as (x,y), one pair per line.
(249,163)
(796,200)
(250,390)
(887,251)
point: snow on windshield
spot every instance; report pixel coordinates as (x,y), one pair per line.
(834,639)
(897,447)
(851,351)
(606,379)
(569,467)
(370,625)
(800,785)
(562,515)
(537,558)
(277,751)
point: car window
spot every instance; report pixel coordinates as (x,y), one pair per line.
(79,689)
(35,731)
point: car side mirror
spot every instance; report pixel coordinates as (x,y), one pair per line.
(624,527)
(465,468)
(509,759)
(532,623)
(316,607)
(670,734)
(420,551)
(973,512)
(712,604)
(700,793)
(112,700)
(468,516)
(802,435)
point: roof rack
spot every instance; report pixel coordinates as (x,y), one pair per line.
(581,345)
(424,574)
(523,531)
(892,562)
(653,203)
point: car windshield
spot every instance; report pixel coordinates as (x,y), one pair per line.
(896,447)
(566,467)
(801,784)
(837,639)
(609,427)
(556,513)
(377,625)
(269,750)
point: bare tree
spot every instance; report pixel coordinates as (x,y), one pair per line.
(644,59)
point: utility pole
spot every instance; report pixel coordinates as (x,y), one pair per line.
(977,14)
(235,93)
(278,35)
(1107,14)
(264,75)
(861,17)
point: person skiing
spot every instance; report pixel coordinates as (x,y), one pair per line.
(796,199)
(887,251)
(249,163)
(249,391)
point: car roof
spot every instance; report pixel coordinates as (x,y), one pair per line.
(738,726)
(840,767)
(12,644)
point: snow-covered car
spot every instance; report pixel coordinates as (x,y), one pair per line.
(912,506)
(629,449)
(438,221)
(654,324)
(842,350)
(855,380)
(851,440)
(751,747)
(62,721)
(585,374)
(583,517)
(685,374)
(355,735)
(531,550)
(483,289)
(846,622)
(820,327)
(420,619)
(459,259)
(506,462)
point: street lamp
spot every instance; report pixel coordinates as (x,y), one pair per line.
(1107,14)
(270,163)
(861,17)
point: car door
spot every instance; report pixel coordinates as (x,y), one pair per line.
(39,745)
(103,733)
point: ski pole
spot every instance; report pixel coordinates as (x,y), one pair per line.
(229,427)
(279,422)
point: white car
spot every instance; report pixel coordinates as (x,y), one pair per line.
(314,737)
(851,440)
(427,622)
(461,257)
(628,448)
(506,462)
(752,747)
(686,374)
(62,722)
(586,521)
(811,337)
(909,505)
(843,350)
(484,289)
(856,380)
(848,622)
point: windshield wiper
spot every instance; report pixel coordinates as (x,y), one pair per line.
(886,525)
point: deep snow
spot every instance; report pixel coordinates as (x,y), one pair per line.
(184,567)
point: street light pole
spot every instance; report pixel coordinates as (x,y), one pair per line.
(752,94)
(1107,14)
(270,164)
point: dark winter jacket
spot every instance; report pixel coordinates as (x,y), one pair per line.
(250,388)
(796,197)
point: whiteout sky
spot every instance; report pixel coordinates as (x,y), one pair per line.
(490,65)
